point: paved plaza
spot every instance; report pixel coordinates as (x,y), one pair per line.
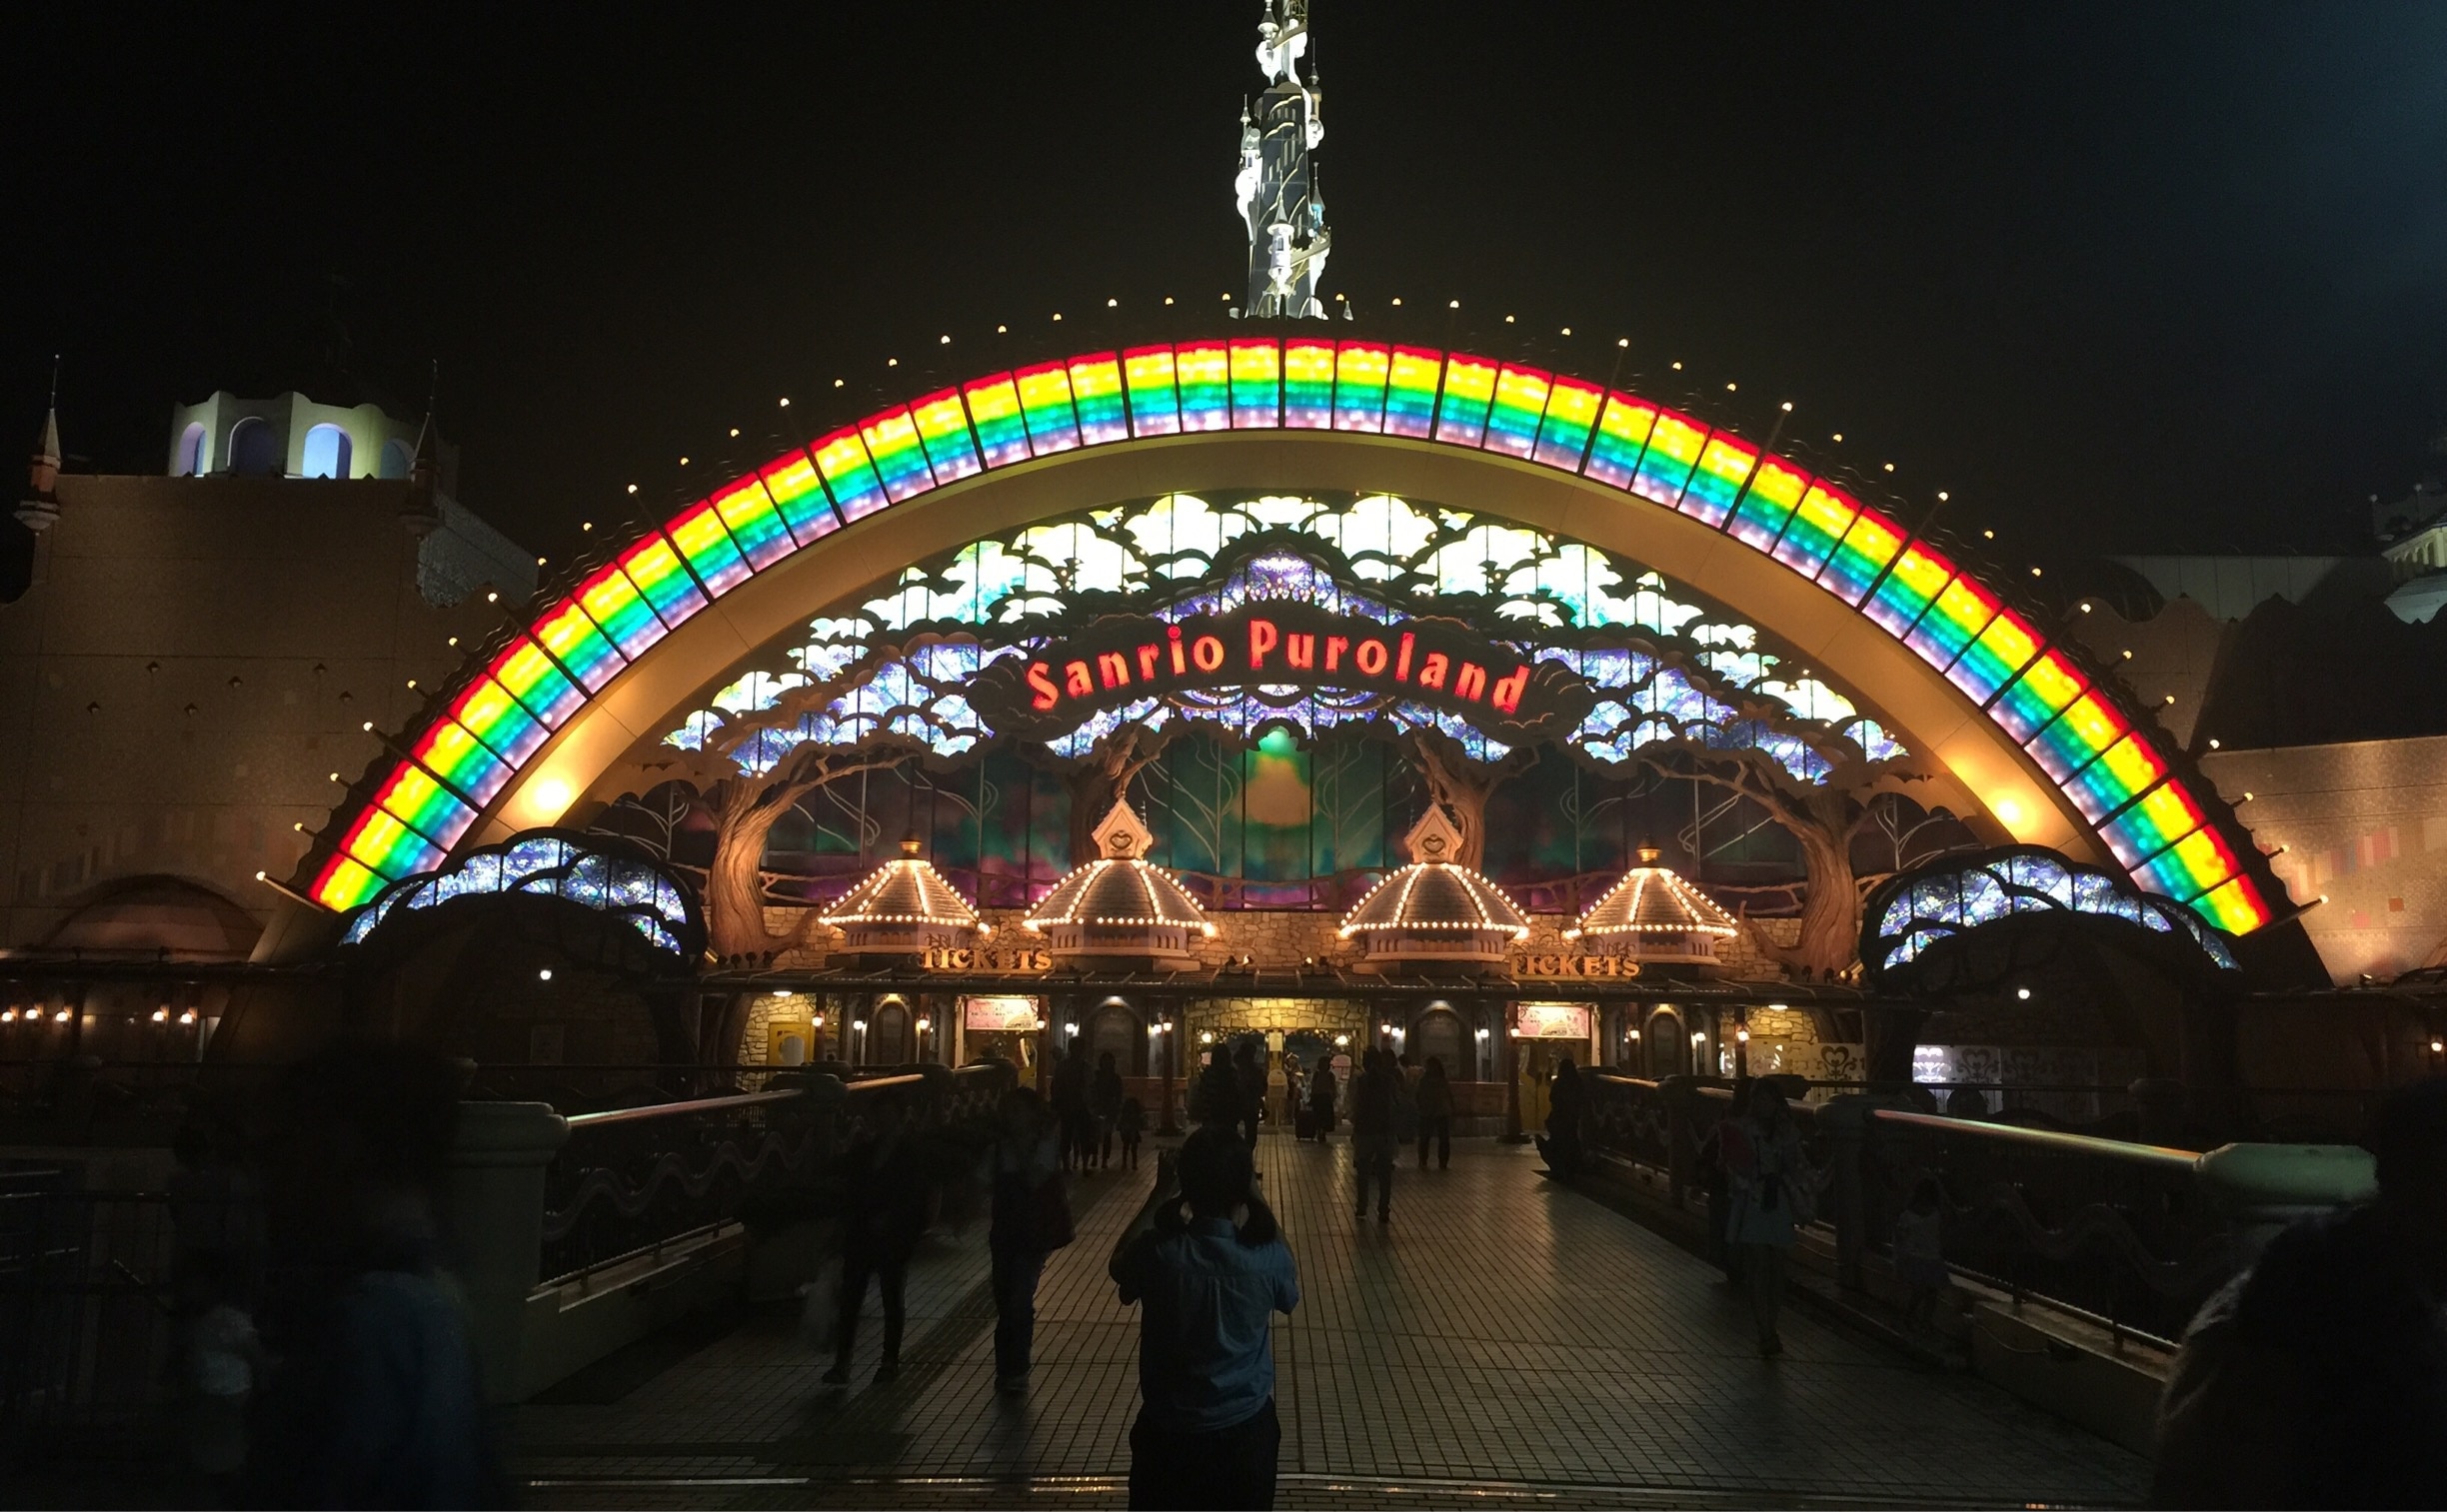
(1503,1340)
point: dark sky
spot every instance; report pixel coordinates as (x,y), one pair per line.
(2127,277)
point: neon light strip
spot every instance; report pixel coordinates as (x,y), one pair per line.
(898,456)
(994,408)
(1571,414)
(1154,405)
(1204,370)
(1307,385)
(1360,387)
(756,527)
(944,427)
(538,684)
(1674,450)
(2109,771)
(1045,398)
(1519,404)
(1765,509)
(1724,465)
(1853,568)
(1469,392)
(798,495)
(698,532)
(1622,435)
(1257,385)
(575,642)
(1096,391)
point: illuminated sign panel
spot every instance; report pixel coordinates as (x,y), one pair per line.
(1440,663)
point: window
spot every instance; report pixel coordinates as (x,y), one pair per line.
(254,450)
(327,453)
(189,461)
(398,458)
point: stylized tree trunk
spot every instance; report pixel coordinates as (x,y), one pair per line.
(1463,786)
(745,810)
(1105,776)
(1822,819)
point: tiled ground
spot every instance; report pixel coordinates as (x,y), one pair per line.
(1502,1341)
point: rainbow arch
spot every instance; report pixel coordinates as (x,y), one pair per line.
(2072,728)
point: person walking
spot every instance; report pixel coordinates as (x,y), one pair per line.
(1773,1191)
(1206,1263)
(1131,1125)
(884,1210)
(1030,1219)
(376,1398)
(1104,1093)
(1561,1144)
(1322,1101)
(2318,1377)
(1252,1071)
(1070,1107)
(1218,1098)
(1296,1097)
(1373,1096)
(1435,1113)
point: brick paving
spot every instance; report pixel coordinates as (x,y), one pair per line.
(1503,1342)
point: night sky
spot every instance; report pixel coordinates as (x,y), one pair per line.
(2167,281)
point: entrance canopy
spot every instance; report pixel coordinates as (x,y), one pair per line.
(2031,739)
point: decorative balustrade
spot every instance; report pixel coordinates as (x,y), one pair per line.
(2131,1236)
(631,1180)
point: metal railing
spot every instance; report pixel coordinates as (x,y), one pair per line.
(2121,1233)
(2131,1236)
(86,1336)
(633,1181)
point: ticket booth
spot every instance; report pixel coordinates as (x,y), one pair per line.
(1003,1028)
(1542,1034)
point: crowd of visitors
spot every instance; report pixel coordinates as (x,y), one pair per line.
(325,1358)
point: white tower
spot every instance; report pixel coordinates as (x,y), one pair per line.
(1280,203)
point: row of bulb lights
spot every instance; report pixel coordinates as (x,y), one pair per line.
(34,1015)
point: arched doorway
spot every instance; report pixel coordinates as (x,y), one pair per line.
(396,460)
(1664,1044)
(1440,1033)
(254,449)
(888,1031)
(327,453)
(1116,1031)
(189,462)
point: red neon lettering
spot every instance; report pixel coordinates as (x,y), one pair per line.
(1336,645)
(1077,682)
(1112,668)
(1040,678)
(1301,652)
(1263,638)
(1172,633)
(1470,682)
(1401,662)
(1431,670)
(1208,653)
(1371,658)
(1147,656)
(1509,690)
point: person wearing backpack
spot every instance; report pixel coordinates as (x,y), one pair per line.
(1031,1219)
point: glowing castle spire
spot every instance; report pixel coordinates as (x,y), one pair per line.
(1276,186)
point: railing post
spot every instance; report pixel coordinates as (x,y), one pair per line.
(1846,1120)
(1681,1138)
(2265,1187)
(492,1208)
